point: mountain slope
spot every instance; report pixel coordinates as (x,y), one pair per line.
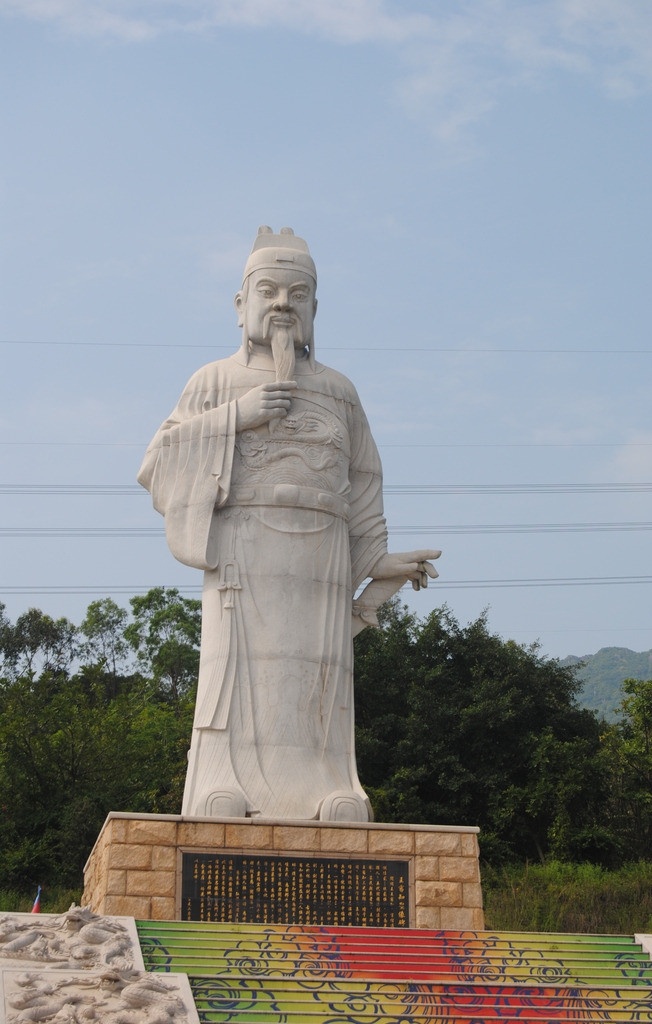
(602,675)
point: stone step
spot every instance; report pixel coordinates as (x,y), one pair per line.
(277,951)
(246,999)
(254,974)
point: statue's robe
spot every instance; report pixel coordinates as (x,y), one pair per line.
(286,520)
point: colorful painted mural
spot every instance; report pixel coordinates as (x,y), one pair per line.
(247,973)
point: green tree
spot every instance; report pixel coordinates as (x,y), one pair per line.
(475,730)
(165,636)
(105,649)
(628,761)
(67,757)
(37,643)
(384,660)
(78,740)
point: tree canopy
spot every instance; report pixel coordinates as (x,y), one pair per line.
(454,725)
(457,726)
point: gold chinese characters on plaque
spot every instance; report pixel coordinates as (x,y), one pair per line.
(295,890)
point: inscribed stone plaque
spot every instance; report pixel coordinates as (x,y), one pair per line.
(295,890)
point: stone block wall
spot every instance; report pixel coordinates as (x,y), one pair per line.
(135,866)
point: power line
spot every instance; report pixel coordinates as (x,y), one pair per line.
(82,531)
(347,348)
(439,529)
(82,589)
(571,581)
(604,488)
(504,444)
(381,444)
(506,528)
(398,489)
(80,444)
(71,488)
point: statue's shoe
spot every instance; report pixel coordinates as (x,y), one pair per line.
(222,803)
(344,805)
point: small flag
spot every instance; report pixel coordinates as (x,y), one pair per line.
(36,909)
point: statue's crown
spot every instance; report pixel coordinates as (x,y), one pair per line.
(286,249)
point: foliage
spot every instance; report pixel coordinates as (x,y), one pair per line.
(67,757)
(558,897)
(36,644)
(628,762)
(78,740)
(54,900)
(165,635)
(454,725)
(105,647)
(457,726)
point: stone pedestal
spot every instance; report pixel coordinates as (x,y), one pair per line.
(135,867)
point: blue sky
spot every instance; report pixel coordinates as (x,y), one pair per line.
(473,181)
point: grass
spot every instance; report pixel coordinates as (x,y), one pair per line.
(53,901)
(550,897)
(558,897)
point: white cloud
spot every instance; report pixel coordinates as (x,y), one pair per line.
(461,66)
(344,21)
(105,18)
(457,59)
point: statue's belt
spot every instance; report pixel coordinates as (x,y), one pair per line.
(289,496)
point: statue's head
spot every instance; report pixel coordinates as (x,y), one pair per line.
(278,292)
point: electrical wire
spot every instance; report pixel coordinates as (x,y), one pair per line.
(381,444)
(640,487)
(570,581)
(439,529)
(462,350)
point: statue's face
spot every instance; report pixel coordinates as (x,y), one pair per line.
(282,298)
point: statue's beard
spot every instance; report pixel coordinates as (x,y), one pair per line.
(283,341)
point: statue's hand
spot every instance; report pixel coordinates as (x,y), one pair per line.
(412,565)
(264,403)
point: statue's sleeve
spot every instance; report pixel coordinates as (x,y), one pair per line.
(187,470)
(367,526)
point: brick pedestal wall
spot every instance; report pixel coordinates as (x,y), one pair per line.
(135,866)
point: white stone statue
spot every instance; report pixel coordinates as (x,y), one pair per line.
(270,481)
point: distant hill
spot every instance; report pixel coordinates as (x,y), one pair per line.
(603,673)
